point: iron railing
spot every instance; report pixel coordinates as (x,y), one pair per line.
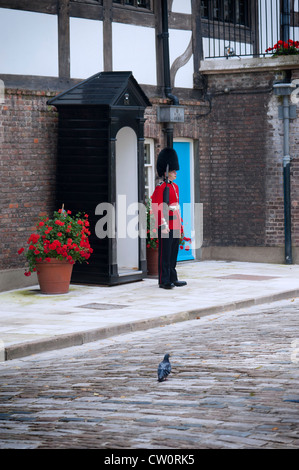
(247,27)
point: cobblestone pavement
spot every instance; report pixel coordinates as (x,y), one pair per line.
(234,384)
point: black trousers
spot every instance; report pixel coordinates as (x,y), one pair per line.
(168,252)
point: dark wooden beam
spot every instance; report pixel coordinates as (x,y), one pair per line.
(90,11)
(196,34)
(63,38)
(107,35)
(38,83)
(159,45)
(39,6)
(132,16)
(253,12)
(179,21)
(54,85)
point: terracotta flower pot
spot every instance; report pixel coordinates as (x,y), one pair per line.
(54,276)
(152,261)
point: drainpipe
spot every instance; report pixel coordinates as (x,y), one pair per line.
(285,90)
(166,65)
(286,180)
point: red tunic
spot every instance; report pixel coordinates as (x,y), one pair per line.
(173,219)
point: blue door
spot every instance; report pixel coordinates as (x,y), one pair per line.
(183,181)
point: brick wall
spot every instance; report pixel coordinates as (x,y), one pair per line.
(294,152)
(27,168)
(240,148)
(238,161)
(241,163)
(236,129)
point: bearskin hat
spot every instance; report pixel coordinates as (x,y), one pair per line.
(167,156)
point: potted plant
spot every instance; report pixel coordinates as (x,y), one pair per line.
(284,48)
(53,249)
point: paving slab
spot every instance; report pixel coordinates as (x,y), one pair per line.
(31,322)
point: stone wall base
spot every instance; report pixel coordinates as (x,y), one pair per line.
(256,254)
(14,279)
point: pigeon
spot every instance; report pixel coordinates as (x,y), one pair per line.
(164,368)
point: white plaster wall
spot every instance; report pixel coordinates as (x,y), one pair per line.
(182,6)
(134,50)
(86,47)
(178,43)
(28,43)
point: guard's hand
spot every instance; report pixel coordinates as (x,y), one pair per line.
(165,230)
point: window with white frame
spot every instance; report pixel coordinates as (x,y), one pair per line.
(149,168)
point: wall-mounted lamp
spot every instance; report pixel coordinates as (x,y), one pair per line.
(126,99)
(170,114)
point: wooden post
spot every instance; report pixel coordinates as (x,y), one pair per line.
(63,38)
(107,35)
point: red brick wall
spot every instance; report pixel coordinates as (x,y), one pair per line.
(238,162)
(27,163)
(235,142)
(239,159)
(294,152)
(241,164)
(274,223)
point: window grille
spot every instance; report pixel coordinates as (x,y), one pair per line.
(245,27)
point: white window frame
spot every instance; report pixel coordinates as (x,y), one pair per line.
(149,168)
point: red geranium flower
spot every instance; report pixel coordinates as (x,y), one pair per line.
(60,239)
(284,48)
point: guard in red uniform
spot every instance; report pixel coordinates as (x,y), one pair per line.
(166,209)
